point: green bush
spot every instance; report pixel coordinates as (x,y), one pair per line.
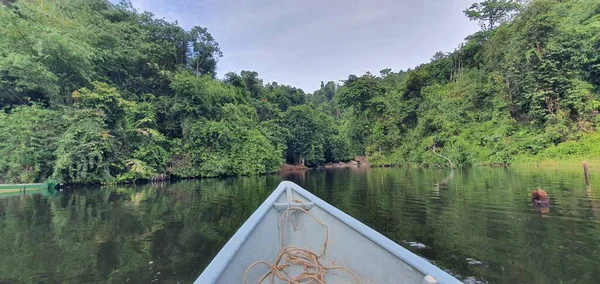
(28,143)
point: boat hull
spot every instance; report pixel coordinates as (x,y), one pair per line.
(349,244)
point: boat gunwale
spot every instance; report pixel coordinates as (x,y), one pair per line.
(218,265)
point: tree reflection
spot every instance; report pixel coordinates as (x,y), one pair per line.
(121,234)
(170,231)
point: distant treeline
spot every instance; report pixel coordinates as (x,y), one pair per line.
(93,92)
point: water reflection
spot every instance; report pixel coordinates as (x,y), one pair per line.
(478,223)
(165,233)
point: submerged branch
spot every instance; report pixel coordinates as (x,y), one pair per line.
(451,164)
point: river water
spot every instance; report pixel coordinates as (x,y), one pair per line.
(476,223)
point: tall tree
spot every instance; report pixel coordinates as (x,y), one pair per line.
(358,93)
(490,13)
(205,51)
(254,85)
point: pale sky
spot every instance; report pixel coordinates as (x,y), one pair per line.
(303,42)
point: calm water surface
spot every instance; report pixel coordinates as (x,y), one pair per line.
(476,223)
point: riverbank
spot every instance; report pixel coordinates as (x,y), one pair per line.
(593,165)
(574,163)
(358,161)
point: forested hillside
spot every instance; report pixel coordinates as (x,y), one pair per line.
(96,92)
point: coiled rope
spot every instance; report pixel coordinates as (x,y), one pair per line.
(313,271)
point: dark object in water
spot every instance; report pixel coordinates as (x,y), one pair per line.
(539,196)
(586,175)
(540,200)
(542,207)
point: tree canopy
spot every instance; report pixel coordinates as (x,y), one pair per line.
(92,91)
(490,13)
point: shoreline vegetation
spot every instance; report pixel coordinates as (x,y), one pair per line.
(96,92)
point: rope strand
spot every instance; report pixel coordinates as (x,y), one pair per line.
(313,271)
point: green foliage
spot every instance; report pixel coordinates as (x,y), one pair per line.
(507,93)
(96,92)
(136,170)
(586,147)
(284,96)
(305,144)
(257,155)
(86,151)
(230,145)
(198,96)
(147,144)
(490,13)
(105,100)
(338,149)
(27,144)
(205,51)
(359,94)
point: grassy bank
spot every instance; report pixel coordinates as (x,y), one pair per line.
(570,153)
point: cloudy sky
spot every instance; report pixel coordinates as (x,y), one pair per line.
(304,42)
